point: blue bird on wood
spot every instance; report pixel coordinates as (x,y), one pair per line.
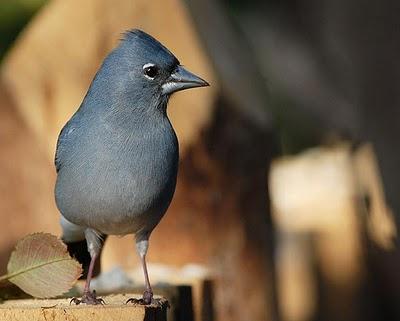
(117,157)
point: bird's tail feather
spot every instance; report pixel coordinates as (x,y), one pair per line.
(79,251)
(74,237)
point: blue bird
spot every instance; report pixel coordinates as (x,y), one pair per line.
(117,157)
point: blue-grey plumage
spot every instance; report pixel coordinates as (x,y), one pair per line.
(117,157)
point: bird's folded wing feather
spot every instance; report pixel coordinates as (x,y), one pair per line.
(63,140)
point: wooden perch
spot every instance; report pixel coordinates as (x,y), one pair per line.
(60,309)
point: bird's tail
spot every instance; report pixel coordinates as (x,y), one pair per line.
(78,250)
(74,237)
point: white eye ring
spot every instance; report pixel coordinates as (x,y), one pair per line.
(150,71)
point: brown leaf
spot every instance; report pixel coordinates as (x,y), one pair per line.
(42,267)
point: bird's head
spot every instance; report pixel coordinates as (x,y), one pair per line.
(142,69)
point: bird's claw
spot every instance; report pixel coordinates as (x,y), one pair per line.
(145,300)
(134,301)
(89,298)
(147,297)
(75,300)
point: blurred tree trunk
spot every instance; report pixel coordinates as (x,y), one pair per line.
(332,67)
(375,44)
(26,176)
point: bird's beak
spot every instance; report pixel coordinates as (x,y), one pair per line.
(182,79)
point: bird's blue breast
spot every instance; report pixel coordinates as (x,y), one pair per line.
(116,179)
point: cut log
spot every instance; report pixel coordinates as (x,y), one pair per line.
(61,309)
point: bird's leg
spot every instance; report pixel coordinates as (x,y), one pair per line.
(86,290)
(148,292)
(95,242)
(142,245)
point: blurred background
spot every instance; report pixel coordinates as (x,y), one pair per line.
(287,201)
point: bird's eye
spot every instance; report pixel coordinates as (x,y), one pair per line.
(150,71)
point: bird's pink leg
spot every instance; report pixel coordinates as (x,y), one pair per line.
(95,242)
(89,297)
(142,244)
(148,292)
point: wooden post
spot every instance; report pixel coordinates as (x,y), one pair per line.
(115,309)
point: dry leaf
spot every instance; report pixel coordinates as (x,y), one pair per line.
(42,267)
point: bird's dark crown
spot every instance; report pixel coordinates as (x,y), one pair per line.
(138,75)
(149,45)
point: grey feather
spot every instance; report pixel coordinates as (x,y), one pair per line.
(117,157)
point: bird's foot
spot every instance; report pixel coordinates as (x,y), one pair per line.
(145,300)
(89,298)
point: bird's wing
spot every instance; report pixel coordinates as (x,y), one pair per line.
(63,138)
